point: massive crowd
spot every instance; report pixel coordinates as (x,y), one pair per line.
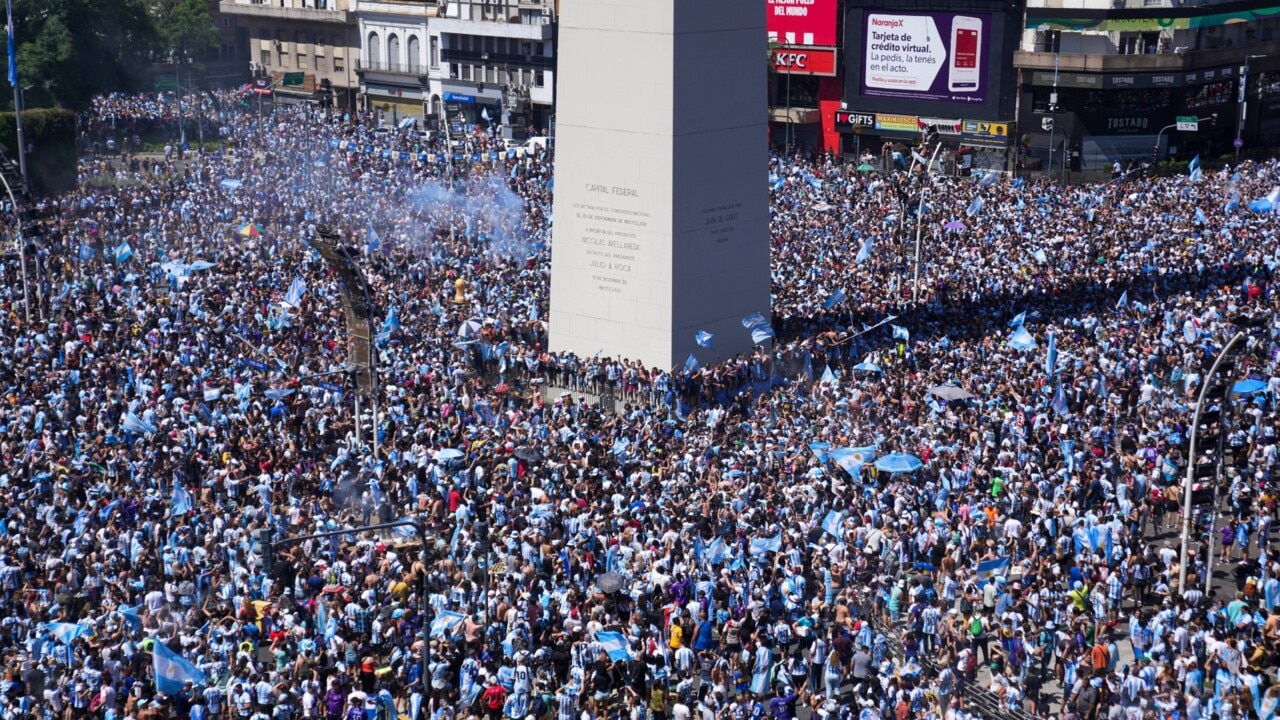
(722,543)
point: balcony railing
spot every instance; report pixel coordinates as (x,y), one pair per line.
(394,68)
(496,59)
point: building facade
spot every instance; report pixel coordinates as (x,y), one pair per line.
(1105,81)
(804,78)
(394,58)
(308,48)
(496,60)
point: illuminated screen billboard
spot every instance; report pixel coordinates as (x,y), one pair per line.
(935,57)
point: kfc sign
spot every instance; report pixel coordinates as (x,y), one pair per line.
(805,61)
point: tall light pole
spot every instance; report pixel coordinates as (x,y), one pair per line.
(1243,100)
(1221,377)
(1053,99)
(22,250)
(924,193)
(17,96)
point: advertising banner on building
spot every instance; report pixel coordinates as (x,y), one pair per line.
(802,22)
(940,57)
(805,61)
(897,123)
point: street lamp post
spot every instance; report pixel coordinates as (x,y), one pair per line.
(22,250)
(1225,370)
(1053,101)
(17,104)
(1155,151)
(1243,100)
(924,194)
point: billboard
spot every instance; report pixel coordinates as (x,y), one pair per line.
(802,22)
(937,57)
(805,61)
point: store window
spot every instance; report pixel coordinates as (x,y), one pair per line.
(1210,94)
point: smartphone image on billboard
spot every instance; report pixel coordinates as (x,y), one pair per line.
(966,47)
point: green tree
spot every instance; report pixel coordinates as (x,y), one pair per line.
(185,26)
(71,50)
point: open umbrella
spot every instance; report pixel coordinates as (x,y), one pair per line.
(898,462)
(528,454)
(954,225)
(865,168)
(250,230)
(470,327)
(447,454)
(867,366)
(950,392)
(608,583)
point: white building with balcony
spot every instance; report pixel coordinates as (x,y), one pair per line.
(496,58)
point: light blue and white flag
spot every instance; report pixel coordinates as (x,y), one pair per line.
(691,364)
(833,524)
(392,321)
(1123,302)
(66,633)
(820,450)
(901,333)
(834,299)
(828,376)
(716,551)
(759,328)
(134,424)
(371,241)
(181,500)
(1022,339)
(614,645)
(1194,164)
(703,338)
(975,207)
(172,671)
(865,252)
(1051,357)
(1059,403)
(851,459)
(760,546)
(1018,319)
(131,617)
(1068,448)
(989,570)
(123,253)
(1200,217)
(296,290)
(445,622)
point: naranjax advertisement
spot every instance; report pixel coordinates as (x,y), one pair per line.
(935,56)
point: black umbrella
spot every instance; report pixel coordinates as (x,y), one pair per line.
(609,583)
(529,455)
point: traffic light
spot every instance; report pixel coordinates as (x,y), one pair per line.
(268,553)
(1155,154)
(1214,119)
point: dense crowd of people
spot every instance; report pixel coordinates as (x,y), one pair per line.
(941,501)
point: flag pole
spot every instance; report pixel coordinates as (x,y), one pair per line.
(17,95)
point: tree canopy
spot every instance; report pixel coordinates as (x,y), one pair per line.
(185,26)
(71,50)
